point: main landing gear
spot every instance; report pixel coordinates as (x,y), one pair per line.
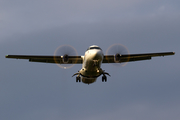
(104,78)
(78,79)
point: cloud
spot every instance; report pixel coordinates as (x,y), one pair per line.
(24,16)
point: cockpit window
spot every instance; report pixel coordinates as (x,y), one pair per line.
(94,48)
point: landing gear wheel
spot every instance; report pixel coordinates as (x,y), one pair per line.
(104,78)
(78,79)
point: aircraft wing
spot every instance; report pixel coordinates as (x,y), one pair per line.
(134,57)
(48,59)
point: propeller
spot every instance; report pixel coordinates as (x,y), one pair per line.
(117,50)
(64,52)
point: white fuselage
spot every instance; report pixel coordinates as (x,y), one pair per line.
(91,67)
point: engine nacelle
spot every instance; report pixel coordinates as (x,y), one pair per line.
(65,58)
(117,58)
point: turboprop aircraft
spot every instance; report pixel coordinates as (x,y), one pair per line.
(91,61)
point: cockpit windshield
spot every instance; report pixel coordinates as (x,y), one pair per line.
(94,48)
(90,48)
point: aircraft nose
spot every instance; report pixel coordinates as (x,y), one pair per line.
(97,55)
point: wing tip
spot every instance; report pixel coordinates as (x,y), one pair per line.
(6,56)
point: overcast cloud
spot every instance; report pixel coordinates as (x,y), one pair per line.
(27,16)
(140,90)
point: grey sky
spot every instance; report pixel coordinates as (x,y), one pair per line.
(27,16)
(140,90)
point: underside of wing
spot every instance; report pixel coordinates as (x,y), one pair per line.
(49,59)
(133,57)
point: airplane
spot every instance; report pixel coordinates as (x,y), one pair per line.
(91,61)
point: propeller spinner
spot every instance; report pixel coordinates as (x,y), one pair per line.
(64,52)
(117,50)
